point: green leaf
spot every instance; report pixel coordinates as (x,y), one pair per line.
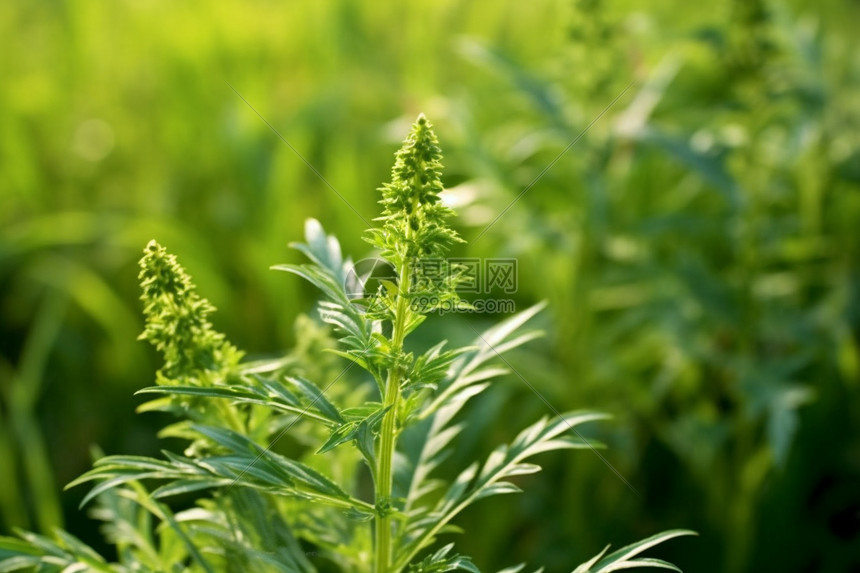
(67,553)
(466,370)
(476,483)
(622,558)
(440,562)
(246,465)
(18,562)
(279,465)
(350,430)
(261,392)
(314,397)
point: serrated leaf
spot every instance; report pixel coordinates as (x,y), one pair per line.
(498,488)
(348,431)
(475,483)
(622,558)
(315,398)
(259,395)
(440,562)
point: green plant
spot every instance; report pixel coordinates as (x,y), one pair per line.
(356,489)
(698,234)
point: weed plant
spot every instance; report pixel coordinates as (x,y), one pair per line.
(361,489)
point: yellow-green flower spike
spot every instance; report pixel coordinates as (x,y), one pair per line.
(177,323)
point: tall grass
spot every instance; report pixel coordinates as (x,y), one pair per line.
(698,242)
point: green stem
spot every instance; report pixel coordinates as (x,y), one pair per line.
(388,433)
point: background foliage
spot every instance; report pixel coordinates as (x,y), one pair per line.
(698,245)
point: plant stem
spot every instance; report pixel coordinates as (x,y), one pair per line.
(388,433)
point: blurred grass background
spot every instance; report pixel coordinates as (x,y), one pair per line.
(698,245)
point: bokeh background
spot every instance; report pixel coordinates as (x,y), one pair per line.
(698,245)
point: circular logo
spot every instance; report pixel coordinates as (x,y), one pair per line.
(365,277)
